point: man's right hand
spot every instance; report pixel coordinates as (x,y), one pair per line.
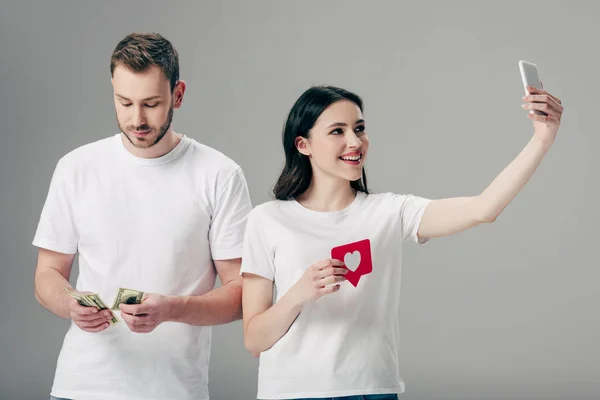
(89,319)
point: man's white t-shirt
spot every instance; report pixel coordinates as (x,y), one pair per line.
(345,343)
(153,225)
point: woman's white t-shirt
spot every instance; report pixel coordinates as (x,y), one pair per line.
(345,343)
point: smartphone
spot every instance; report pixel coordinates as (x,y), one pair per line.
(531,77)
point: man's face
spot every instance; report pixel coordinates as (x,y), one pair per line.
(144,104)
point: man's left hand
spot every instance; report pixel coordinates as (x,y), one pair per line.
(144,317)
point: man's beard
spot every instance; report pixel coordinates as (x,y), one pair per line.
(143,143)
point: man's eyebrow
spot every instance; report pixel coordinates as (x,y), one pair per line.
(146,99)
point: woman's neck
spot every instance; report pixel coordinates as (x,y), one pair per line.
(327,195)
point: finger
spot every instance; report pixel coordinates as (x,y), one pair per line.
(330,271)
(144,308)
(545,112)
(328,290)
(100,314)
(140,328)
(544,98)
(544,107)
(91,324)
(78,309)
(543,118)
(94,320)
(322,264)
(556,99)
(533,90)
(131,328)
(331,279)
(146,329)
(127,318)
(328,263)
(94,329)
(133,309)
(538,98)
(97,329)
(136,320)
(340,271)
(325,272)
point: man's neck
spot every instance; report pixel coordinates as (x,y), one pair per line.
(166,145)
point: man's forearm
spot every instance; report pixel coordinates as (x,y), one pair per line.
(50,294)
(219,306)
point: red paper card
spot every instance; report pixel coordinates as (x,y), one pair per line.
(357,259)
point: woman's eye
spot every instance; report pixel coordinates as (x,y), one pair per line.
(360,128)
(337,131)
(151,105)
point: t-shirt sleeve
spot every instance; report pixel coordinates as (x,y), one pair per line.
(226,234)
(259,256)
(412,209)
(56,228)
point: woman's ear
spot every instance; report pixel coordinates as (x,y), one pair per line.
(302,145)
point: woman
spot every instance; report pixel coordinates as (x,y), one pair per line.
(333,252)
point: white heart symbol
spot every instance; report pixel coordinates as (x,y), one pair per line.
(352,260)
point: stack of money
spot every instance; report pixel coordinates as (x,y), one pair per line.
(92,300)
(127,296)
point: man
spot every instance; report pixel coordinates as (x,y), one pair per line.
(151,210)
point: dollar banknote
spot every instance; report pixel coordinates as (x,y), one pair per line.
(92,300)
(127,296)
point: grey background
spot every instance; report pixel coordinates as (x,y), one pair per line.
(504,311)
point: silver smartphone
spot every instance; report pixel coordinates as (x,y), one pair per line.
(531,77)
